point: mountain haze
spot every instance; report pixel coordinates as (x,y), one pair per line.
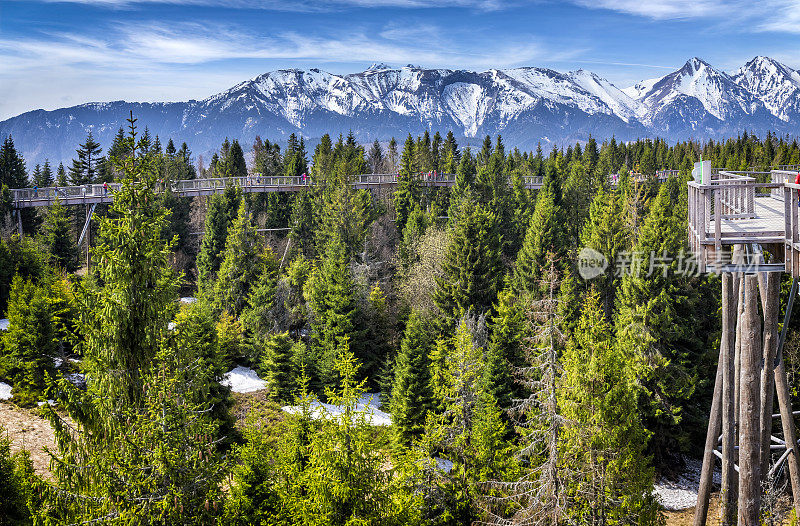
(525,105)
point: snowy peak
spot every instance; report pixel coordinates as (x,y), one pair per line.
(526,105)
(775,84)
(716,91)
(378,66)
(619,102)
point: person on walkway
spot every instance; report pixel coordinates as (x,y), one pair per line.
(797,181)
(35,191)
(105,188)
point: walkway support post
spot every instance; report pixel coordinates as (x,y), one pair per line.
(770,287)
(730,306)
(749,408)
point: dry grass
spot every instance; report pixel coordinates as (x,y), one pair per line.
(29,431)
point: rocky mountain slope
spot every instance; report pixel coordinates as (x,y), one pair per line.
(525,105)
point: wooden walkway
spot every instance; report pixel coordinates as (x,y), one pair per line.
(97,193)
(735,210)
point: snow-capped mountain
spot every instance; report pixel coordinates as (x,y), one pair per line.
(698,99)
(525,105)
(777,85)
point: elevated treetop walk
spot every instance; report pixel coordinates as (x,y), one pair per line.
(98,193)
(91,194)
(730,209)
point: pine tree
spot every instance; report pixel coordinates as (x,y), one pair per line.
(84,169)
(607,441)
(213,245)
(278,368)
(546,233)
(240,268)
(472,267)
(406,193)
(504,352)
(329,292)
(411,390)
(57,238)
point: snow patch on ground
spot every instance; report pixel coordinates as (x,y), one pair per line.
(243,380)
(4,323)
(77,379)
(681,493)
(368,404)
(5,391)
(443,464)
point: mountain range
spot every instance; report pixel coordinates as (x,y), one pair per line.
(526,105)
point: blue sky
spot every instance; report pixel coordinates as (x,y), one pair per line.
(56,53)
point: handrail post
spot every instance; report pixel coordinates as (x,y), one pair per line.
(717,230)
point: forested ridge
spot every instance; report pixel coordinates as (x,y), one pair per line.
(519,391)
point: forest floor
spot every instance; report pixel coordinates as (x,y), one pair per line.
(27,430)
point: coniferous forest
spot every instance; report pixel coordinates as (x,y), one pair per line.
(519,391)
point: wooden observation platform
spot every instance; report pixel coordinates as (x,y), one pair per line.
(748,232)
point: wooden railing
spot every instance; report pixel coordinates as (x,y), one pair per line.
(729,196)
(99,193)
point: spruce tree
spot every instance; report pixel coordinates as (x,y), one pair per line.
(411,391)
(655,325)
(504,352)
(30,344)
(607,439)
(84,169)
(330,294)
(406,193)
(605,232)
(257,315)
(213,245)
(17,483)
(472,269)
(277,367)
(241,267)
(57,238)
(12,166)
(546,233)
(122,318)
(145,416)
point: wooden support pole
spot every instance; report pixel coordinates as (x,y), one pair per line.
(789,431)
(730,306)
(707,470)
(770,288)
(749,408)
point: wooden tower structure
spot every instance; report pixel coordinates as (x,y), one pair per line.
(748,232)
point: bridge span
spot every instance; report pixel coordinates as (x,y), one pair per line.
(98,193)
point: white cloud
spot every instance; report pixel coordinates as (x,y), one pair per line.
(305,5)
(784,17)
(663,9)
(148,62)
